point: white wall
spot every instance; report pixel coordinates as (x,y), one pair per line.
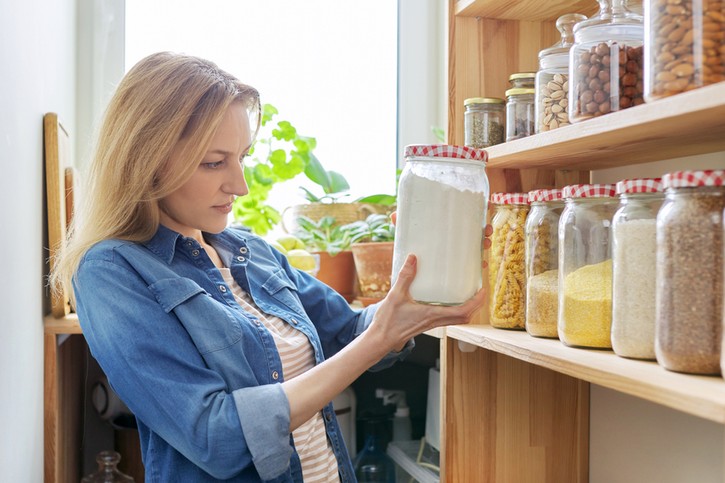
(37,55)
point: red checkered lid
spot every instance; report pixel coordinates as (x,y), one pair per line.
(691,179)
(510,198)
(639,185)
(589,191)
(446,151)
(545,195)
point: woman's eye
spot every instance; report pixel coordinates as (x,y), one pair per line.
(213,164)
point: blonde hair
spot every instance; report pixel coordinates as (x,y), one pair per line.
(164,98)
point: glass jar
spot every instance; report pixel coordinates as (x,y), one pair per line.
(506,265)
(520,120)
(683,46)
(442,197)
(585,265)
(606,62)
(522,80)
(689,287)
(483,121)
(107,471)
(634,244)
(542,262)
(552,79)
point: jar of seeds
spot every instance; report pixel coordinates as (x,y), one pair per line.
(507,268)
(689,287)
(585,265)
(483,121)
(634,245)
(606,62)
(684,49)
(552,79)
(542,262)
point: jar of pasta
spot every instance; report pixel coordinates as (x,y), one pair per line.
(585,265)
(542,262)
(689,287)
(634,244)
(507,266)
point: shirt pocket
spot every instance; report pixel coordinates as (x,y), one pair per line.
(209,323)
(281,288)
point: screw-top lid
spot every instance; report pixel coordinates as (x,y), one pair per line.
(692,179)
(483,100)
(545,195)
(446,151)
(639,185)
(522,75)
(517,91)
(510,198)
(589,191)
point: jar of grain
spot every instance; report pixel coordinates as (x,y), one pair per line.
(552,79)
(507,267)
(606,62)
(585,265)
(689,287)
(483,121)
(542,262)
(634,244)
(684,48)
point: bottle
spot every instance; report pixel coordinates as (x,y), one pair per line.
(689,293)
(552,78)
(372,464)
(483,121)
(107,471)
(606,63)
(585,265)
(402,428)
(441,214)
(520,118)
(634,244)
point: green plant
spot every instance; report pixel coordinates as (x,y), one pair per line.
(323,235)
(374,228)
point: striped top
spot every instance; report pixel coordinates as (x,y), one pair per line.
(295,351)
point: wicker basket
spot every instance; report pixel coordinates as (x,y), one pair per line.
(343,213)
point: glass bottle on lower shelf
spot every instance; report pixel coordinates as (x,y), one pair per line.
(107,471)
(372,464)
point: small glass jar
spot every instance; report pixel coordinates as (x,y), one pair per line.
(606,62)
(683,46)
(442,196)
(483,121)
(634,245)
(507,265)
(522,80)
(585,265)
(520,113)
(689,287)
(542,262)
(107,471)
(552,79)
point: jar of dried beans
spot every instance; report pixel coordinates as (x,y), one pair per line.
(634,245)
(606,62)
(684,46)
(542,262)
(585,265)
(483,121)
(689,287)
(552,79)
(507,267)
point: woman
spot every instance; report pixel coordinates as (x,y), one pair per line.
(227,356)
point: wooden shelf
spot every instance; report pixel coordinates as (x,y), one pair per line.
(683,125)
(531,10)
(702,396)
(65,325)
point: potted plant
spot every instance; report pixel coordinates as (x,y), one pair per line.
(371,242)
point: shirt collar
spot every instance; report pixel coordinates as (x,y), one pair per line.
(163,243)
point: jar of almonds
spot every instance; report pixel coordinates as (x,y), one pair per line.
(606,62)
(685,47)
(552,79)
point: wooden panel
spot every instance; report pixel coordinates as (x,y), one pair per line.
(65,325)
(506,420)
(524,9)
(702,396)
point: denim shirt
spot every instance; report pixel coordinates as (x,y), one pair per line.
(201,375)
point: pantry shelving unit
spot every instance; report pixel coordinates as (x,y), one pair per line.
(515,407)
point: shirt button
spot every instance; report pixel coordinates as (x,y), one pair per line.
(188,243)
(275,375)
(222,288)
(240,258)
(243,250)
(257,323)
(195,253)
(328,416)
(294,322)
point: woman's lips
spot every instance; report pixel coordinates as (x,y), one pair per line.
(226,208)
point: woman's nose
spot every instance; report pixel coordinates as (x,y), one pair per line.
(236,184)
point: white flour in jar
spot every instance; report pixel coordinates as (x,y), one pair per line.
(443,227)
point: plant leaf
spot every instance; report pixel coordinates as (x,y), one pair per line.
(381,199)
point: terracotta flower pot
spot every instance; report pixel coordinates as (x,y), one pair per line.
(374,264)
(339,273)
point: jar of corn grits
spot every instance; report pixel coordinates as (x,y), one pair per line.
(442,199)
(585,265)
